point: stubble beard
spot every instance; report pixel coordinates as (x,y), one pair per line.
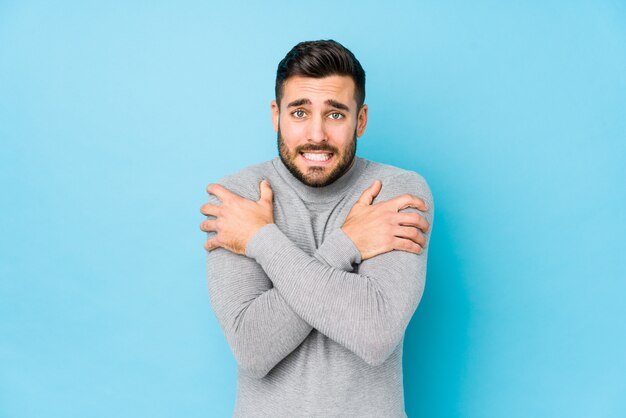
(316,180)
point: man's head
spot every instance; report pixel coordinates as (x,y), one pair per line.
(319,111)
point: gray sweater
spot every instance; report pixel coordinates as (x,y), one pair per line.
(316,331)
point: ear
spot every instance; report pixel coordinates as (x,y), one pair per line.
(361,120)
(275,115)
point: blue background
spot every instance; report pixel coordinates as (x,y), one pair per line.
(114,117)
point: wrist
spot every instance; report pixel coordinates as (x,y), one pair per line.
(338,250)
(255,229)
(257,237)
(352,237)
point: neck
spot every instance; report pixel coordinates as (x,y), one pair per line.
(320,194)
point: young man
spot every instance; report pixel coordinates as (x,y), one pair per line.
(317,258)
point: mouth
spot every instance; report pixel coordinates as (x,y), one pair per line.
(317,157)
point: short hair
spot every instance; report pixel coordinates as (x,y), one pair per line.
(320,59)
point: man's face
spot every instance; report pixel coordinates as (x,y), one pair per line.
(317,125)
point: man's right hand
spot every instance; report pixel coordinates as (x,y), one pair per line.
(380,228)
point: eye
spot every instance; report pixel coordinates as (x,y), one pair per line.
(335,116)
(299,114)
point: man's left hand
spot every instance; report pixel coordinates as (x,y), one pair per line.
(238,219)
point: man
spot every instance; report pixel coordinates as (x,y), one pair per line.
(317,258)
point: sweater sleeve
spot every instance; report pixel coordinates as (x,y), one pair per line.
(366,311)
(260,327)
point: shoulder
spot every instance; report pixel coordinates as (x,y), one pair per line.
(397,181)
(245,182)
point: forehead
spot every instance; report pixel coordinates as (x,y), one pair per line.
(336,87)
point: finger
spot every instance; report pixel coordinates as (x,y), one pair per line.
(409,201)
(413,219)
(209,209)
(221,192)
(407,245)
(412,233)
(367,197)
(266,192)
(208,226)
(211,244)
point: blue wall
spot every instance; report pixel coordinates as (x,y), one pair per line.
(114,117)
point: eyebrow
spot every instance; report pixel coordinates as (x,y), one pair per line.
(337,105)
(334,103)
(299,102)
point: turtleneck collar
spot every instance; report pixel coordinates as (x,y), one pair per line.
(320,194)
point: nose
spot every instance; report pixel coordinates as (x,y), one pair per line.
(317,131)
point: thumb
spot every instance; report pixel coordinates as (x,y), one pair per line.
(370,193)
(266,191)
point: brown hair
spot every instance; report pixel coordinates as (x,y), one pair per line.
(320,59)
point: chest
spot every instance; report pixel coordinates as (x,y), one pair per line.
(308,223)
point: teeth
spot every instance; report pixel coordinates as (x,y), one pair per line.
(316,157)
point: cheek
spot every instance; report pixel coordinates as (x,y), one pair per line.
(292,132)
(342,134)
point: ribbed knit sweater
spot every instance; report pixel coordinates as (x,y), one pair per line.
(316,331)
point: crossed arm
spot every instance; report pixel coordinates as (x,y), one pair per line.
(268,300)
(259,325)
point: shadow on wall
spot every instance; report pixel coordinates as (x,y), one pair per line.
(436,340)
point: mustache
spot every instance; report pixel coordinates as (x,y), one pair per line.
(326,148)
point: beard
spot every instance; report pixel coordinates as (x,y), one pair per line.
(315,176)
